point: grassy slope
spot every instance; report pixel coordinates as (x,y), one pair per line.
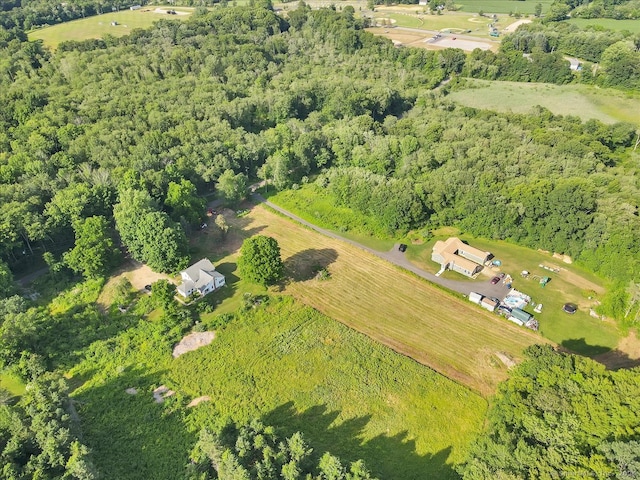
(609,23)
(289,365)
(100,25)
(11,384)
(608,106)
(390,305)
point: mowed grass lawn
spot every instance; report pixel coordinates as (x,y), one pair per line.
(100,25)
(391,306)
(585,102)
(299,370)
(503,6)
(580,333)
(609,23)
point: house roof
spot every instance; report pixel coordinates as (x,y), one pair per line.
(193,272)
(448,250)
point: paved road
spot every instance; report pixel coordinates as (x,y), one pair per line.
(398,258)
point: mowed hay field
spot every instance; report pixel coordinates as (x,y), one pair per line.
(100,25)
(606,105)
(388,304)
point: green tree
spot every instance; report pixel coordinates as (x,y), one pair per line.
(184,203)
(6,280)
(556,414)
(94,252)
(163,293)
(260,260)
(538,10)
(149,234)
(232,186)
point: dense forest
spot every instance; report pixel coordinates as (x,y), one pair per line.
(149,122)
(560,415)
(113,143)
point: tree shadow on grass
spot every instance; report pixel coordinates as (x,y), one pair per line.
(132,436)
(306,264)
(617,359)
(387,457)
(580,346)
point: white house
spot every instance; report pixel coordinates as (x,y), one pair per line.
(200,277)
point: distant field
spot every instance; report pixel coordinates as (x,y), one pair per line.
(503,6)
(631,25)
(100,25)
(455,22)
(608,106)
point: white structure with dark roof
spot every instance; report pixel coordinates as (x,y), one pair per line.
(200,277)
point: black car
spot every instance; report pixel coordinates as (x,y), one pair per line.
(147,288)
(402,247)
(495,280)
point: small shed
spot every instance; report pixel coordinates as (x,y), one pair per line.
(475,297)
(489,304)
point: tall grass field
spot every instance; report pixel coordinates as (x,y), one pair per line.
(585,102)
(503,6)
(292,367)
(632,26)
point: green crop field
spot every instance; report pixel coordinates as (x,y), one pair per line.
(100,25)
(632,26)
(289,365)
(504,6)
(606,105)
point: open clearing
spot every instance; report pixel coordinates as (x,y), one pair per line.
(608,106)
(609,23)
(579,332)
(349,395)
(100,25)
(392,306)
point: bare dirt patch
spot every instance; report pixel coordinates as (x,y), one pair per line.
(196,401)
(131,391)
(514,26)
(464,44)
(193,341)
